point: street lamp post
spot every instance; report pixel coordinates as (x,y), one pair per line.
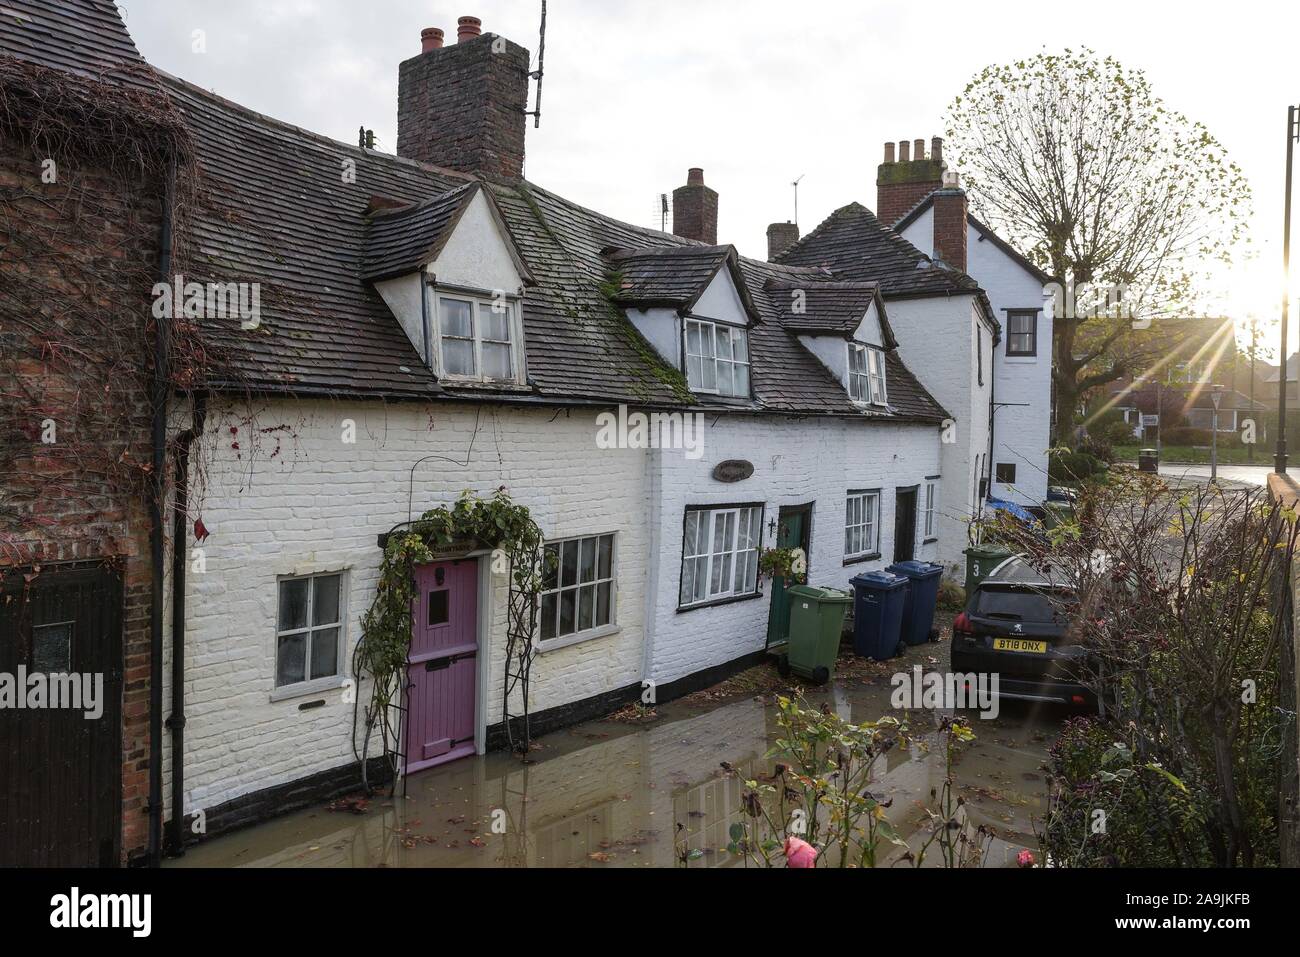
(1216,396)
(1292,134)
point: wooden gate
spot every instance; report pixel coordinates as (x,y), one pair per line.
(61,771)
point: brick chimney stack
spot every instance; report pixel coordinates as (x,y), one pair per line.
(902,184)
(695,209)
(462,106)
(949,212)
(780,237)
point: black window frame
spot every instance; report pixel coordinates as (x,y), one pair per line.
(1032,352)
(997,473)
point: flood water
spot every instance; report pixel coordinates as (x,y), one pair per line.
(609,794)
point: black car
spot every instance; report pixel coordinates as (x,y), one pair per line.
(1013,627)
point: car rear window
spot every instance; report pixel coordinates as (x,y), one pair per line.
(1015,605)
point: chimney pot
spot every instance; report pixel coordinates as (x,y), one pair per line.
(695,176)
(936,149)
(430,39)
(904,151)
(889,152)
(439,119)
(918,150)
(467,28)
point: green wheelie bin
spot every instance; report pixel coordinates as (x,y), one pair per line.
(980,562)
(816,623)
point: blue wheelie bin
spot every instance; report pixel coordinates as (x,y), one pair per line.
(922,597)
(878,599)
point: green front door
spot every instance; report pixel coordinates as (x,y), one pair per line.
(792,532)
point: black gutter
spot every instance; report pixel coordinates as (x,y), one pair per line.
(176,721)
(161,388)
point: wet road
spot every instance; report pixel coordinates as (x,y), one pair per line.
(1246,474)
(609,794)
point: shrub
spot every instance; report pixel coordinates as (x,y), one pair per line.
(1065,466)
(1116,432)
(1097,447)
(1151,818)
(952,597)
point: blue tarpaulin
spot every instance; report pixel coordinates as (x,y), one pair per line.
(1019,511)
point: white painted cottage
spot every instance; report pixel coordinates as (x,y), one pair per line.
(432,323)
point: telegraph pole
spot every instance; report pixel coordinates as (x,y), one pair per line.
(1292,131)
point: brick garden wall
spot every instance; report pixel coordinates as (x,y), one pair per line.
(71,255)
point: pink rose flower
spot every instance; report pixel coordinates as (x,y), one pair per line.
(1025,858)
(799,853)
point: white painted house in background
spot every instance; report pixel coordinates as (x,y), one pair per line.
(1022,359)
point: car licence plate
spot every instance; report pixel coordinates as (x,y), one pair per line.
(1020,644)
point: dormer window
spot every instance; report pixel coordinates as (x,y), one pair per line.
(477,338)
(717,358)
(867,374)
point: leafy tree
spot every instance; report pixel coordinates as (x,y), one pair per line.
(1122,199)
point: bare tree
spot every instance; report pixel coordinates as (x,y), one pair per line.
(1124,200)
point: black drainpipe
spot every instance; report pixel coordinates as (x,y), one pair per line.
(161,387)
(180,536)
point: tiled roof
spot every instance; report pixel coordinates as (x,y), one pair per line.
(85,37)
(665,275)
(564,243)
(853,244)
(274,208)
(836,308)
(400,241)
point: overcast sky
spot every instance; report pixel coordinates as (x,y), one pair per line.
(757,93)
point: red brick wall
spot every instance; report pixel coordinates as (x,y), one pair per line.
(950,227)
(894,200)
(695,210)
(78,256)
(462,107)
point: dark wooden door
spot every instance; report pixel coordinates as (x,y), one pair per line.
(905,524)
(794,530)
(61,768)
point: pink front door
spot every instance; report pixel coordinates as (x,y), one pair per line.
(443,664)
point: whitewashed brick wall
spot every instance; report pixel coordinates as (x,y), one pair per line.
(318,505)
(796,461)
(298,500)
(937,342)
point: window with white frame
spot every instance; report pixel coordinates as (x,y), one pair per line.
(931,509)
(720,554)
(309,629)
(862,524)
(717,358)
(859,376)
(578,592)
(866,374)
(876,374)
(477,338)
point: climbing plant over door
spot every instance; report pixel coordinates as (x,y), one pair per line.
(381,655)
